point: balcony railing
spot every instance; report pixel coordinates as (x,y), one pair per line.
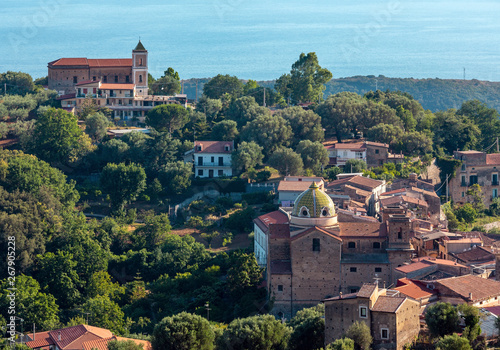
(494,183)
(212,164)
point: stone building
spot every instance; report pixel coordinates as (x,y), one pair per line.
(372,153)
(311,256)
(477,168)
(393,319)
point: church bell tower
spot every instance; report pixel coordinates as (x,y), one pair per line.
(140,69)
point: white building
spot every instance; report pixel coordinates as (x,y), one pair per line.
(211,158)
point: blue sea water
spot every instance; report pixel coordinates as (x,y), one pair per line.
(260,39)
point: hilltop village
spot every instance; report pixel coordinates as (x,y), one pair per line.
(248,217)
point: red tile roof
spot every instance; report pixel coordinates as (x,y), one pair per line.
(295,186)
(42,339)
(403,199)
(413,266)
(81,61)
(476,254)
(366,290)
(362,229)
(70,334)
(272,218)
(351,146)
(481,288)
(110,62)
(213,146)
(495,310)
(358,181)
(412,290)
(388,303)
(117,87)
(493,159)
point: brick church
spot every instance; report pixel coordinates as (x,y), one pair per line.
(310,256)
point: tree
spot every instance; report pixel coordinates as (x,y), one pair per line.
(355,166)
(314,155)
(183,331)
(495,207)
(472,318)
(476,197)
(105,313)
(211,107)
(124,345)
(442,319)
(100,284)
(453,131)
(339,113)
(167,117)
(114,150)
(305,124)
(256,332)
(385,133)
(222,84)
(244,110)
(244,273)
(331,173)
(359,332)
(486,119)
(453,342)
(122,182)
(169,84)
(226,130)
(286,161)
(268,131)
(154,231)
(247,155)
(58,138)
(96,126)
(341,344)
(18,83)
(31,303)
(466,213)
(414,143)
(308,329)
(175,177)
(306,80)
(58,276)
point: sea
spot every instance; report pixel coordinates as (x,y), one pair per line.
(260,39)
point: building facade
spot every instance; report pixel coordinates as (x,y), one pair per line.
(372,153)
(211,158)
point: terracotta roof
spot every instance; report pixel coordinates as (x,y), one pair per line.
(281,267)
(403,199)
(117,87)
(481,288)
(413,266)
(493,159)
(110,62)
(476,254)
(378,144)
(387,304)
(356,204)
(438,261)
(353,146)
(42,339)
(274,217)
(362,229)
(81,61)
(412,290)
(359,191)
(315,229)
(344,296)
(295,186)
(495,310)
(213,146)
(401,190)
(365,181)
(70,334)
(366,290)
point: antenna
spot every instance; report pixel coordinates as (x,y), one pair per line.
(464,73)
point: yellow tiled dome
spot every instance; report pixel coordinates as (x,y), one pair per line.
(313,203)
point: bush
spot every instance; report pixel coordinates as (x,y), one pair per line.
(241,220)
(257,197)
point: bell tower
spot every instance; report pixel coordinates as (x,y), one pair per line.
(140,69)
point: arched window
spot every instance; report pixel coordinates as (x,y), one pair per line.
(140,78)
(304,212)
(140,61)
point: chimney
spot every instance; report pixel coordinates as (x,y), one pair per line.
(340,297)
(59,336)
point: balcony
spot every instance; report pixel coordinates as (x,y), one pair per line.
(214,164)
(463,184)
(494,183)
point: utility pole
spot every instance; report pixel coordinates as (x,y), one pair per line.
(196,99)
(5,89)
(264,97)
(464,73)
(87,313)
(207,307)
(497,146)
(447,187)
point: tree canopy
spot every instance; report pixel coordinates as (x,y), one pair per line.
(122,182)
(223,84)
(169,117)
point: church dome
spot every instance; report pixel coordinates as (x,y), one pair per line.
(313,203)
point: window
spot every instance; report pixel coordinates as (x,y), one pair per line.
(127,79)
(378,269)
(85,91)
(304,212)
(363,312)
(351,245)
(494,179)
(463,194)
(280,287)
(400,233)
(325,211)
(463,167)
(316,245)
(353,269)
(384,333)
(376,245)
(75,80)
(93,78)
(200,172)
(116,78)
(94,90)
(200,161)
(105,79)
(220,173)
(376,151)
(212,159)
(473,180)
(494,193)
(140,61)
(140,78)
(464,183)
(226,147)
(221,161)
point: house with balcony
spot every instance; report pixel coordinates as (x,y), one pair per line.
(476,168)
(373,153)
(211,158)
